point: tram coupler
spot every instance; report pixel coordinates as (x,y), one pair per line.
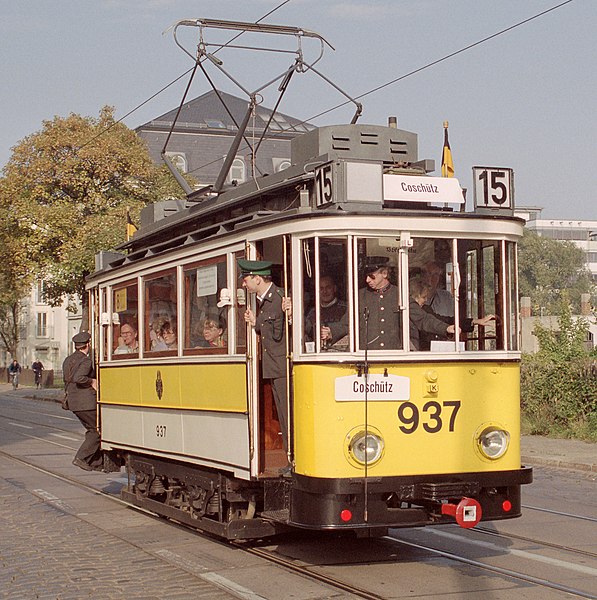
(467,512)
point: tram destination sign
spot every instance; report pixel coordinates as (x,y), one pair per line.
(376,387)
(493,188)
(409,188)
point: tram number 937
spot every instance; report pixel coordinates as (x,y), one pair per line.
(433,417)
(160,431)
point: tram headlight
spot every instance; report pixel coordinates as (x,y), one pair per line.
(493,442)
(365,447)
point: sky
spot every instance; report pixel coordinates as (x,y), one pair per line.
(525,99)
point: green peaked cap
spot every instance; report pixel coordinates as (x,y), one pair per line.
(255,267)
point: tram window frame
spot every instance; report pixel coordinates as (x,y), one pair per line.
(239,303)
(365,249)
(148,313)
(313,270)
(213,312)
(511,334)
(481,262)
(104,322)
(116,326)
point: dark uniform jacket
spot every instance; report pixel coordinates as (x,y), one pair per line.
(269,324)
(78,372)
(384,329)
(425,326)
(328,315)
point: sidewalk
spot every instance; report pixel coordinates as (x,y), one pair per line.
(536,450)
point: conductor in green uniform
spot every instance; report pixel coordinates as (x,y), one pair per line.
(80,385)
(269,324)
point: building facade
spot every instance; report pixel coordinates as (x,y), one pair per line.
(581,233)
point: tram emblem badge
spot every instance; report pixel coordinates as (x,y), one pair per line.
(159,385)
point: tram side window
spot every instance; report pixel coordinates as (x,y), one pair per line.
(378,310)
(332,309)
(206,307)
(160,313)
(125,305)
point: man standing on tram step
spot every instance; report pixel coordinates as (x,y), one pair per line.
(269,325)
(80,386)
(379,314)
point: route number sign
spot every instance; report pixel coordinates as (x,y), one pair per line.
(493,187)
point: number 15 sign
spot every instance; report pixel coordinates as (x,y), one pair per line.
(494,187)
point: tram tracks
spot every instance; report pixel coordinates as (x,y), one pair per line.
(317,571)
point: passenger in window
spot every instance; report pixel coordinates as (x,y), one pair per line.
(213,334)
(379,315)
(331,313)
(128,338)
(166,338)
(440,300)
(423,321)
(426,326)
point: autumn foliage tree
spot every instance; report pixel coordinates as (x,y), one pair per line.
(66,190)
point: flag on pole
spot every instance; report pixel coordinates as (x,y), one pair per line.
(447,162)
(131,228)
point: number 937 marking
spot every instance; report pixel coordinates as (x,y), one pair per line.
(431,417)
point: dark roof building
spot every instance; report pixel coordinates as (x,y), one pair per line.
(205,129)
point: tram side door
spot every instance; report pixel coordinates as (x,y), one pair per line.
(268,451)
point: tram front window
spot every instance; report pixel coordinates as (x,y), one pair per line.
(379,313)
(326,308)
(449,278)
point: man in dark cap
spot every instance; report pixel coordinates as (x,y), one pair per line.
(80,386)
(270,326)
(380,326)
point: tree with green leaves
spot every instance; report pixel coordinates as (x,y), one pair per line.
(66,191)
(559,382)
(549,267)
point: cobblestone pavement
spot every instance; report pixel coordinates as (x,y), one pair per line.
(47,553)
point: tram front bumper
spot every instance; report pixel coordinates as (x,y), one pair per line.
(411,501)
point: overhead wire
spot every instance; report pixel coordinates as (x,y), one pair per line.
(419,69)
(444,58)
(273,10)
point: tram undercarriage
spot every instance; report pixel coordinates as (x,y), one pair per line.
(236,509)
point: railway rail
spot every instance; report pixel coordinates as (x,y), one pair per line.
(324,573)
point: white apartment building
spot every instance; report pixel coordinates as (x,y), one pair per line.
(45,332)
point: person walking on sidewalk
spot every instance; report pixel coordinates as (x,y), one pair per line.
(80,386)
(14,371)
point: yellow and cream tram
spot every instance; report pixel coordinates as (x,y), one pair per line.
(382,434)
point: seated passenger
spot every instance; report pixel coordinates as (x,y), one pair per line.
(331,310)
(440,300)
(423,321)
(166,338)
(425,325)
(213,334)
(128,336)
